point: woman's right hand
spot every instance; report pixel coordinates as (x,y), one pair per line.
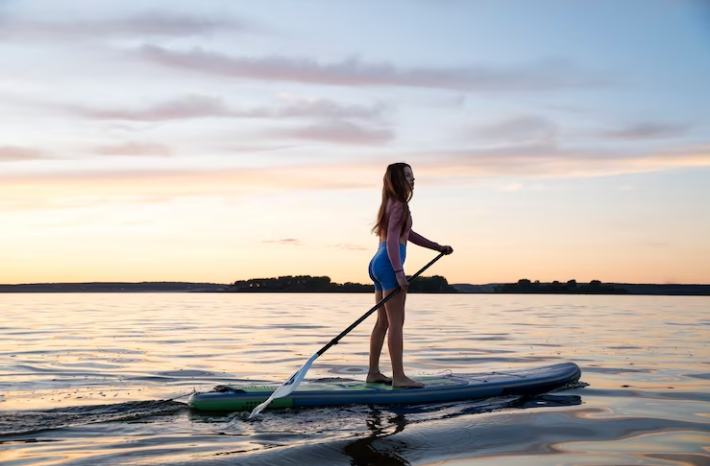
(446,249)
(402,282)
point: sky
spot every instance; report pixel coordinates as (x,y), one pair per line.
(216,141)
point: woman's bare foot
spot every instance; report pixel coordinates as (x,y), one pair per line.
(378,377)
(406,382)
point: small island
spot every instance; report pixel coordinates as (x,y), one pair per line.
(526,286)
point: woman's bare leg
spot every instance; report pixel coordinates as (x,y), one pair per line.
(395,340)
(376,341)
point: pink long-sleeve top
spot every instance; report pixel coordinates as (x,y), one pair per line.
(395,213)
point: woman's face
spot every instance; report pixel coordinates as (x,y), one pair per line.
(409,176)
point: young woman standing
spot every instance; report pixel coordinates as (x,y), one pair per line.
(394,229)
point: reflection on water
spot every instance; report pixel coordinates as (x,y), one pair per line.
(369,450)
(82,376)
(381,447)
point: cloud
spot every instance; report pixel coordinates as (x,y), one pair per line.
(356,73)
(286,241)
(339,132)
(648,131)
(177,182)
(39,201)
(205,106)
(255,148)
(324,108)
(149,24)
(14,153)
(443,168)
(351,247)
(195,106)
(528,128)
(549,160)
(135,148)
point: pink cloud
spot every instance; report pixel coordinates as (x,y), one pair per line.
(354,72)
(195,106)
(135,148)
(339,132)
(171,183)
(648,130)
(351,247)
(518,129)
(287,241)
(205,106)
(14,153)
(437,167)
(150,24)
(549,160)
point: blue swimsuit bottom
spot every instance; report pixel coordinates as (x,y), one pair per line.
(381,270)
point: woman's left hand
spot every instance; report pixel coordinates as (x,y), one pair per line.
(446,249)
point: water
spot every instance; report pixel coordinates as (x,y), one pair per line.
(87,379)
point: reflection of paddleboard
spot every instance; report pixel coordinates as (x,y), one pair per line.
(450,387)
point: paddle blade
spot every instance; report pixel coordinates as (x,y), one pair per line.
(287,387)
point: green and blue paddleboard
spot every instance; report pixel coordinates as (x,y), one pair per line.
(438,388)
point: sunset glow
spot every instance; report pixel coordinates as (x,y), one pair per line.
(221,141)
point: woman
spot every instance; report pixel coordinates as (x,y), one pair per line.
(394,229)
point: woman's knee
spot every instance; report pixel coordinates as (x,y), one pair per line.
(381,326)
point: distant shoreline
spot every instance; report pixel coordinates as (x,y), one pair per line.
(464,288)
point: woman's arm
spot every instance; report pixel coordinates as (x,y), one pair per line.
(419,240)
(394,230)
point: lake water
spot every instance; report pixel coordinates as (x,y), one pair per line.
(85,379)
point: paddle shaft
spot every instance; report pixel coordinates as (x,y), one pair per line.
(335,340)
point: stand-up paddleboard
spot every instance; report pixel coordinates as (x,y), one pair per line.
(439,388)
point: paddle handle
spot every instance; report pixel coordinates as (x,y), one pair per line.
(335,340)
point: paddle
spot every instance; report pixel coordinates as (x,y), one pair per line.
(293,382)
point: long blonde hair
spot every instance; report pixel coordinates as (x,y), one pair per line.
(394,187)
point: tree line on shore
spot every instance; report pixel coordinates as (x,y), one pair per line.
(305,283)
(526,286)
(309,284)
(432,284)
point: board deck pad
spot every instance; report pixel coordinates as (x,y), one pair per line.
(438,388)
